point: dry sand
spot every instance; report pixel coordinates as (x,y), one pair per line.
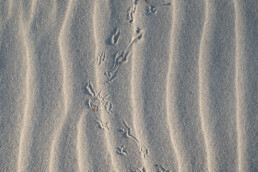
(125,85)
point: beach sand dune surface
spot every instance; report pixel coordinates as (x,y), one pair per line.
(128,86)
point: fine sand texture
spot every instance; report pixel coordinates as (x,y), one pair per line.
(128,86)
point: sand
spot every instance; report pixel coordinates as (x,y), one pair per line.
(128,86)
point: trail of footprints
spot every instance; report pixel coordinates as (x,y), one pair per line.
(97,100)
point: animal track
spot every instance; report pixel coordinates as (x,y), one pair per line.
(102,125)
(120,58)
(142,169)
(151,10)
(130,15)
(98,100)
(144,151)
(115,37)
(121,150)
(160,168)
(127,132)
(131,11)
(108,105)
(89,89)
(101,58)
(94,104)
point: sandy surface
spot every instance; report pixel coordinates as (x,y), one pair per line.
(125,85)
